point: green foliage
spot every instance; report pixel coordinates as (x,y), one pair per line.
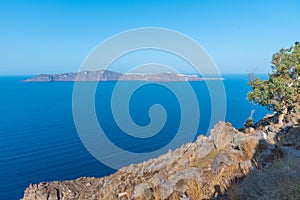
(282,90)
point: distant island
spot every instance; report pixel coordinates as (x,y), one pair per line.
(107,75)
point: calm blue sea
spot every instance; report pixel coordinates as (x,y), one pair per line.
(38,138)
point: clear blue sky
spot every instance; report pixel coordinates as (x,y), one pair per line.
(55,36)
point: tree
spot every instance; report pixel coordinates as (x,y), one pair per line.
(281,92)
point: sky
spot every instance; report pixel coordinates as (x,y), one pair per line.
(56,36)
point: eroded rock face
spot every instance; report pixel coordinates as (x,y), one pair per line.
(193,171)
(82,188)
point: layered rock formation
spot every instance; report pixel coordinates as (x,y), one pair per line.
(203,169)
(106,75)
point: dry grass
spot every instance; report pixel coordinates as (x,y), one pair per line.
(175,196)
(129,193)
(194,190)
(207,160)
(280,181)
(249,147)
(156,193)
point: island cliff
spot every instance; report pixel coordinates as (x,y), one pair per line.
(107,75)
(229,164)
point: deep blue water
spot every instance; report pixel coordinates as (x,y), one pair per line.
(39,141)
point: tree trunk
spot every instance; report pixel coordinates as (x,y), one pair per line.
(297,109)
(282,115)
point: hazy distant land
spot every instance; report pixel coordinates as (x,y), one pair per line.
(107,75)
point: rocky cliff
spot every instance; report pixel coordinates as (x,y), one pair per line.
(106,75)
(204,169)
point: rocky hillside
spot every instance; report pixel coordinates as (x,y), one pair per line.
(204,169)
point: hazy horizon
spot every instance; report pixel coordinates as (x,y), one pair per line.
(56,36)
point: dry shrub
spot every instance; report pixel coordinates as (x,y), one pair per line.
(279,181)
(194,189)
(249,147)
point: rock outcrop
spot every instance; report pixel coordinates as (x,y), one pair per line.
(199,170)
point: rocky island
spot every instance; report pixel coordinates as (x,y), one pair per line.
(107,75)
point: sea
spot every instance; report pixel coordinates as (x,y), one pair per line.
(39,140)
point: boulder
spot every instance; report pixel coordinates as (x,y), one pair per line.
(222,134)
(204,148)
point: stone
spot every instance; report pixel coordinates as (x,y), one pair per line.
(250,130)
(266,157)
(271,135)
(286,127)
(222,158)
(142,191)
(185,197)
(271,129)
(264,145)
(177,182)
(122,194)
(222,134)
(53,194)
(246,166)
(204,148)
